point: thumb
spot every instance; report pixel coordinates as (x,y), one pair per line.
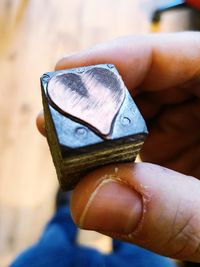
(142,203)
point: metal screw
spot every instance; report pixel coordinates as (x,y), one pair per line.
(110,66)
(81,132)
(125,121)
(45,77)
(80,70)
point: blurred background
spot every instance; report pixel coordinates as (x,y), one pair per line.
(34,34)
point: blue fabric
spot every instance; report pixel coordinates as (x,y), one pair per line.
(57,248)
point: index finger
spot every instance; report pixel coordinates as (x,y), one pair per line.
(152,62)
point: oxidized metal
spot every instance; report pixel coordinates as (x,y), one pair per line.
(93,97)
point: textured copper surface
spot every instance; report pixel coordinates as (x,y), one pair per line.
(93,97)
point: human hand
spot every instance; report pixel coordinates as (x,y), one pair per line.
(146,204)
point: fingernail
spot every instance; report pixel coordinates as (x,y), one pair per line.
(66,56)
(61,61)
(69,54)
(112,207)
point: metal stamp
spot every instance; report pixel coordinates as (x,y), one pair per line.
(90,119)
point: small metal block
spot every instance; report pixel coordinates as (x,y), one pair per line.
(90,119)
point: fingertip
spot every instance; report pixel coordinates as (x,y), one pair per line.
(65,61)
(40,123)
(145,61)
(129,55)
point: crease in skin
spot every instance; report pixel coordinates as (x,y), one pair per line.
(172,239)
(146,197)
(140,188)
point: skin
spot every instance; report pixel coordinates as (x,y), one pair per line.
(158,199)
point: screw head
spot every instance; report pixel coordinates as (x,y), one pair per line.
(81,131)
(125,121)
(45,77)
(80,70)
(110,66)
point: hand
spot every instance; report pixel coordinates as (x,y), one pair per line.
(143,203)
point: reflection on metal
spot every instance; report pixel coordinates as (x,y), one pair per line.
(93,97)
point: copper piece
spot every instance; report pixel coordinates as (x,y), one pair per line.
(93,97)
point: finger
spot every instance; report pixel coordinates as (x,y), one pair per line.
(153,62)
(177,132)
(145,204)
(40,123)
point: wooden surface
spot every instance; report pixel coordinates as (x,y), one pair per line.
(33,35)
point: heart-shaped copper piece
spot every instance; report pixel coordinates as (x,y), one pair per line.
(93,97)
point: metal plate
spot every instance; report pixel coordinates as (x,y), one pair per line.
(92,97)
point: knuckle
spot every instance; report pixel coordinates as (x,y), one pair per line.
(185,242)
